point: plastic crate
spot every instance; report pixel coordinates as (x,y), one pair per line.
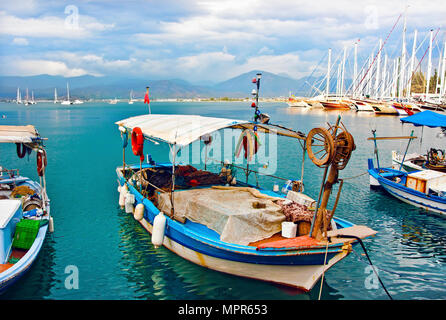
(25,233)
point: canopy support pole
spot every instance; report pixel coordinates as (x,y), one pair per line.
(304,149)
(407,148)
(172,190)
(376,148)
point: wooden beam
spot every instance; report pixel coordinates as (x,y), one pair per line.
(392,138)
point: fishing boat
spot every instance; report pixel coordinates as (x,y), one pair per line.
(217,221)
(435,158)
(24,207)
(424,189)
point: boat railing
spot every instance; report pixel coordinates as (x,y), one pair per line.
(11,172)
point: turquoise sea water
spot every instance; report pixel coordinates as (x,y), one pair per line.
(116,259)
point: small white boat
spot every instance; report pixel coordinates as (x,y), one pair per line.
(24,207)
(113,101)
(131,97)
(362,105)
(19,96)
(67,102)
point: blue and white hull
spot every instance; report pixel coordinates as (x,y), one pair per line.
(11,275)
(383,177)
(297,267)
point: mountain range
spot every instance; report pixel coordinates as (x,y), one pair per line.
(107,87)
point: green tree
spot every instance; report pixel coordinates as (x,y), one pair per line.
(418,83)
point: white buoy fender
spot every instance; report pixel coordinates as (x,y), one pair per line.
(122,195)
(139,212)
(51,225)
(129,201)
(159,226)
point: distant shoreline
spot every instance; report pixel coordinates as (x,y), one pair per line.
(161,100)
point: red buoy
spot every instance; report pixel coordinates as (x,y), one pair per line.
(138,143)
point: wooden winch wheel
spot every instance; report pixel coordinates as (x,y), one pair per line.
(320,146)
(345,145)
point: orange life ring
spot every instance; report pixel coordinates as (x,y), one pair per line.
(41,162)
(138,143)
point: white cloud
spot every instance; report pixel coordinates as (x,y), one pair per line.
(50,26)
(31,67)
(20,41)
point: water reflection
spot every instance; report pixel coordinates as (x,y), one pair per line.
(39,280)
(161,274)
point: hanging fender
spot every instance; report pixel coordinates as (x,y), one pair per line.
(41,162)
(125,139)
(21,150)
(138,143)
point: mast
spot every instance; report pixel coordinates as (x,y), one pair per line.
(338,82)
(369,76)
(18,95)
(429,65)
(68,93)
(394,82)
(443,73)
(384,77)
(412,62)
(328,74)
(437,84)
(403,60)
(378,64)
(355,70)
(343,72)
(55,95)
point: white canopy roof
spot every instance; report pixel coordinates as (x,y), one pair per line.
(177,129)
(185,129)
(18,134)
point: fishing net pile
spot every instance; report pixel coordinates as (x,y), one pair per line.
(295,212)
(238,215)
(185,177)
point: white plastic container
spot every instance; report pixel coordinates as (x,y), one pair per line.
(10,214)
(289,229)
(129,201)
(139,212)
(159,226)
(122,193)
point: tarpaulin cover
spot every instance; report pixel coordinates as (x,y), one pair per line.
(426,118)
(229,212)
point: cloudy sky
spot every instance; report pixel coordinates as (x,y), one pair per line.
(202,41)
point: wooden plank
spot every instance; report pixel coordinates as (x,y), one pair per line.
(357,230)
(391,138)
